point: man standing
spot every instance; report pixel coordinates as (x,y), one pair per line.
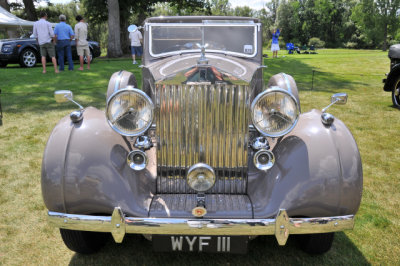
(136,42)
(45,37)
(64,35)
(82,45)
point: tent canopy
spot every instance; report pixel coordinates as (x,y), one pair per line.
(8,20)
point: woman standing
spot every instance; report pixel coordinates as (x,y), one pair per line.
(275,43)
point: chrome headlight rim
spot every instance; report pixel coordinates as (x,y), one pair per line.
(198,166)
(147,98)
(260,96)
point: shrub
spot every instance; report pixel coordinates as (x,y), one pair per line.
(316,42)
(351,45)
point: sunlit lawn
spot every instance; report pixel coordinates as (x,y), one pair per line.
(30,113)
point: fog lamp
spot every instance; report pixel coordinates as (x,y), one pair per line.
(201,177)
(264,159)
(137,160)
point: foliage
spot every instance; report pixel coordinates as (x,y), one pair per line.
(377,19)
(316,42)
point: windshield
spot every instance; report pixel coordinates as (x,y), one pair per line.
(220,37)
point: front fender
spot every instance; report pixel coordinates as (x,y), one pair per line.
(392,78)
(84,170)
(317,172)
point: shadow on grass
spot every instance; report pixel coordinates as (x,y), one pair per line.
(303,75)
(261,251)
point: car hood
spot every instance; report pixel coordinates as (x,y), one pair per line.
(183,69)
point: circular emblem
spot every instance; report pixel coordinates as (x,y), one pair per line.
(199,211)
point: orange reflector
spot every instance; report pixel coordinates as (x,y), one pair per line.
(199,211)
(19,45)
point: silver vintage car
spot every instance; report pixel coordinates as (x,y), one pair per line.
(205,156)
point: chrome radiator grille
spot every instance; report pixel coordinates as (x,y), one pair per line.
(202,123)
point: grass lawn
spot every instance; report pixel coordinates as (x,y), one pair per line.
(30,113)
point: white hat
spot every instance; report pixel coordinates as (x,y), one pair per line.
(132,28)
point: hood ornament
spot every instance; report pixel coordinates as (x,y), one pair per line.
(202,60)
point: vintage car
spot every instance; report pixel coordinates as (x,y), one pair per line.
(204,156)
(392,82)
(26,52)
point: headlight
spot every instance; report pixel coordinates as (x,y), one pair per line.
(275,112)
(129,112)
(201,177)
(7,48)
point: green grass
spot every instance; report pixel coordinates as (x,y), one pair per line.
(30,113)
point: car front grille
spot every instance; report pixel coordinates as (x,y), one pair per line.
(202,123)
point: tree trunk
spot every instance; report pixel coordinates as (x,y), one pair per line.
(30,10)
(125,42)
(114,40)
(385,32)
(4,4)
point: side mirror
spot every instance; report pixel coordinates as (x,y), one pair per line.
(63,96)
(339,98)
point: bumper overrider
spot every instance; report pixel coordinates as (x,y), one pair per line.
(282,226)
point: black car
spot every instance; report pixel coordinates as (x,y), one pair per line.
(392,82)
(26,51)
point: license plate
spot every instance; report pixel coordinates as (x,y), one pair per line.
(213,244)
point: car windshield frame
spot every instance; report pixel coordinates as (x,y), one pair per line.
(202,25)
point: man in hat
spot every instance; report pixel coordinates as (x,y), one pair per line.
(136,42)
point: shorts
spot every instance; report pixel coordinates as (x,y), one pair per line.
(83,50)
(137,50)
(274,47)
(47,49)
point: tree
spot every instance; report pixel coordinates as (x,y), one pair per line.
(4,4)
(377,19)
(114,41)
(30,10)
(130,12)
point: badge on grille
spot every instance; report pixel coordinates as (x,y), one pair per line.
(199,211)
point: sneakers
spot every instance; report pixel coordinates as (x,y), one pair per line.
(134,62)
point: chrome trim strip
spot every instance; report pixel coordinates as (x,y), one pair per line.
(281,226)
(150,25)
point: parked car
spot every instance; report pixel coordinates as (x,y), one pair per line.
(392,82)
(26,51)
(205,155)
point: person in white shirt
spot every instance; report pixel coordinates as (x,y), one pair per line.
(44,34)
(82,45)
(136,42)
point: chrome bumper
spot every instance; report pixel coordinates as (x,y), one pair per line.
(118,225)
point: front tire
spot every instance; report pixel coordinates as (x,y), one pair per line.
(315,244)
(396,94)
(84,242)
(28,58)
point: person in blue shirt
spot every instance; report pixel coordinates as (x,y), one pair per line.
(64,36)
(275,43)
